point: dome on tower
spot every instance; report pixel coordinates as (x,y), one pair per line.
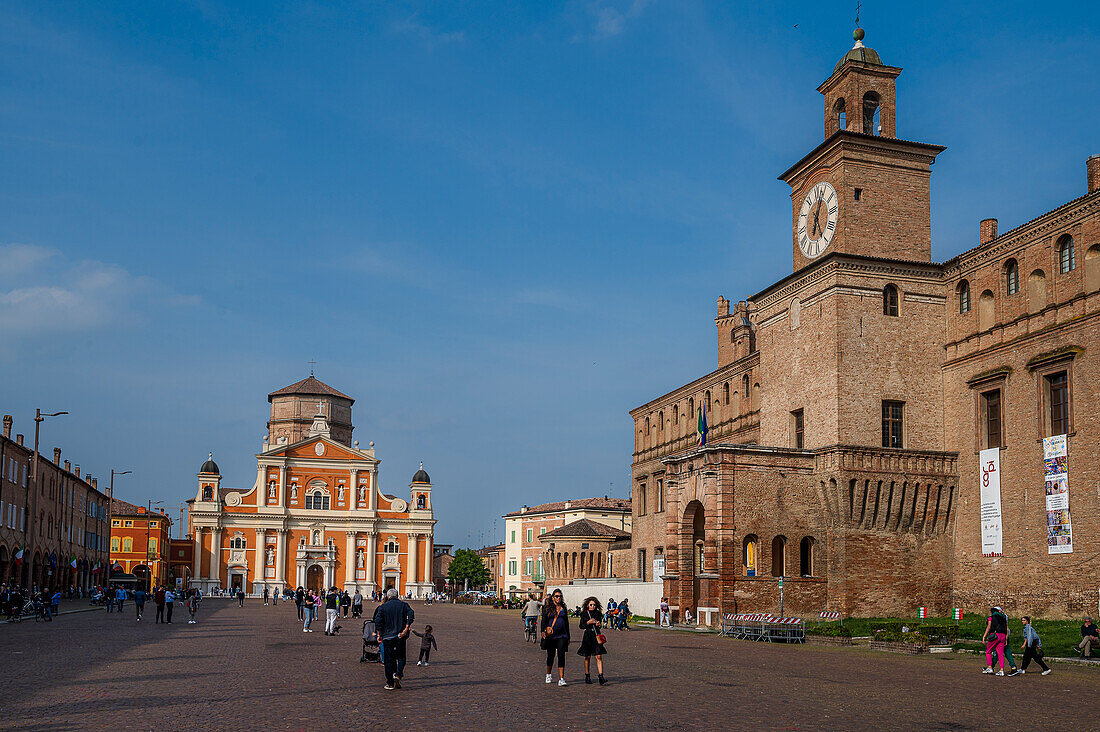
(859,53)
(210,467)
(421,476)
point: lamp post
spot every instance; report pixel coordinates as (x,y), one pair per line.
(110,515)
(149,556)
(28,537)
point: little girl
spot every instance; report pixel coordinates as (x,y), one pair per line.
(427,642)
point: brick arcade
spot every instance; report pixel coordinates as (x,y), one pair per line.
(853,396)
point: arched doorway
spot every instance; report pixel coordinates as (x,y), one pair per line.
(315,578)
(143,575)
(695,523)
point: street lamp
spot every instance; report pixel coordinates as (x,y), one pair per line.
(110,515)
(28,538)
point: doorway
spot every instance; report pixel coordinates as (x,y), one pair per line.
(391,582)
(315,578)
(236,582)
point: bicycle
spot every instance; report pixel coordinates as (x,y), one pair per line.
(530,635)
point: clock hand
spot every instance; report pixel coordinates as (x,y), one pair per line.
(817,212)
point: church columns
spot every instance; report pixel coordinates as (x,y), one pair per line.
(282,486)
(349,561)
(196,571)
(373,486)
(280,557)
(215,575)
(259,575)
(372,550)
(429,556)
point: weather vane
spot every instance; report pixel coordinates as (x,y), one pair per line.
(857,14)
(312,363)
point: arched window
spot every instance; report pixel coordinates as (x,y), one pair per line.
(872,124)
(676,414)
(661,421)
(750,550)
(647,426)
(391,547)
(1092,268)
(794,313)
(840,117)
(207,493)
(1065,254)
(806,556)
(1036,291)
(779,556)
(726,393)
(986,310)
(691,408)
(127,544)
(732,338)
(745,393)
(963,292)
(706,401)
(317,500)
(890,300)
(237,542)
(1012,277)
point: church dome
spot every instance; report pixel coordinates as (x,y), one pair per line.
(210,467)
(421,476)
(859,53)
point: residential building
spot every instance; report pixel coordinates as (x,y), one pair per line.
(140,543)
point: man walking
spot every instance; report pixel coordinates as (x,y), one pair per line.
(393,621)
(240,597)
(120,597)
(139,602)
(169,601)
(332,603)
(275,597)
(299,600)
(1033,648)
(266,594)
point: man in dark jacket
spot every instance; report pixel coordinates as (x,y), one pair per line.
(393,620)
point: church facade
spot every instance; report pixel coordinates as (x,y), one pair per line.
(316,515)
(885,432)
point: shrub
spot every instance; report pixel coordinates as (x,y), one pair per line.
(896,636)
(829,631)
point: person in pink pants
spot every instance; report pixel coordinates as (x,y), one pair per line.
(996,633)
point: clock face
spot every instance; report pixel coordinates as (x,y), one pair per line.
(817,219)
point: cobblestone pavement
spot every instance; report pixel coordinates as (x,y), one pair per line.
(253,668)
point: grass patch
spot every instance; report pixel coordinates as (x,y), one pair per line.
(1059,636)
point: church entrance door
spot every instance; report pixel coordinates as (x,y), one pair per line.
(391,582)
(315,578)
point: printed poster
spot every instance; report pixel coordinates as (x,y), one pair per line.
(989,462)
(1056,489)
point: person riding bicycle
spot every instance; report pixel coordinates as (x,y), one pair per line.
(531,614)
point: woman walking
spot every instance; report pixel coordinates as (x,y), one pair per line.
(591,620)
(555,635)
(1032,647)
(996,631)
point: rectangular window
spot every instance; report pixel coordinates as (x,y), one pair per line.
(991,419)
(660,496)
(797,427)
(528,566)
(127,545)
(530,537)
(152,546)
(1057,387)
(542,531)
(128,523)
(513,536)
(641,499)
(115,543)
(891,423)
(641,564)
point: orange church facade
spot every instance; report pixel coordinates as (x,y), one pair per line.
(315,515)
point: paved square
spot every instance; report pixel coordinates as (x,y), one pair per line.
(253,668)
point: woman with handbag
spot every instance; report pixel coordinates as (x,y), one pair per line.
(555,635)
(592,641)
(996,632)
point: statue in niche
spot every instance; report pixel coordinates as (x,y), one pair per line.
(420,502)
(340,493)
(362,494)
(360,557)
(271,489)
(316,538)
(270,555)
(294,491)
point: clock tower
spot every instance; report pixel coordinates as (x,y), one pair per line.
(862,190)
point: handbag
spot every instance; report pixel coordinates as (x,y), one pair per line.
(601,638)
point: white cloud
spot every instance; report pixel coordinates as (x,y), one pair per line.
(611,17)
(42,293)
(429,35)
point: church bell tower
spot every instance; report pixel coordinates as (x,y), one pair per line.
(862,190)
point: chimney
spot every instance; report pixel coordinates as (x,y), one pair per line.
(7,425)
(77,471)
(94,486)
(723,307)
(68,465)
(57,456)
(987,231)
(19,440)
(1093,167)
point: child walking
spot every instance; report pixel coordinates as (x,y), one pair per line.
(427,643)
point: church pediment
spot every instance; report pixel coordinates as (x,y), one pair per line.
(317,448)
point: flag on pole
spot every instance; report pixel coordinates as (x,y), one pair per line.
(96,568)
(957,613)
(702,425)
(53,559)
(923,613)
(19,555)
(73,562)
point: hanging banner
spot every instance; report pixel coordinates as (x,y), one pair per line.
(1056,467)
(989,462)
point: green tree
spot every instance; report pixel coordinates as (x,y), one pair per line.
(468,567)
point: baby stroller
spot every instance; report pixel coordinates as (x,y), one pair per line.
(371,651)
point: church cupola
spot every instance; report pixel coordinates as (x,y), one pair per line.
(210,480)
(859,95)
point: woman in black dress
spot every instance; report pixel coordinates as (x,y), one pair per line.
(591,620)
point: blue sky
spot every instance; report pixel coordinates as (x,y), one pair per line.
(499,226)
